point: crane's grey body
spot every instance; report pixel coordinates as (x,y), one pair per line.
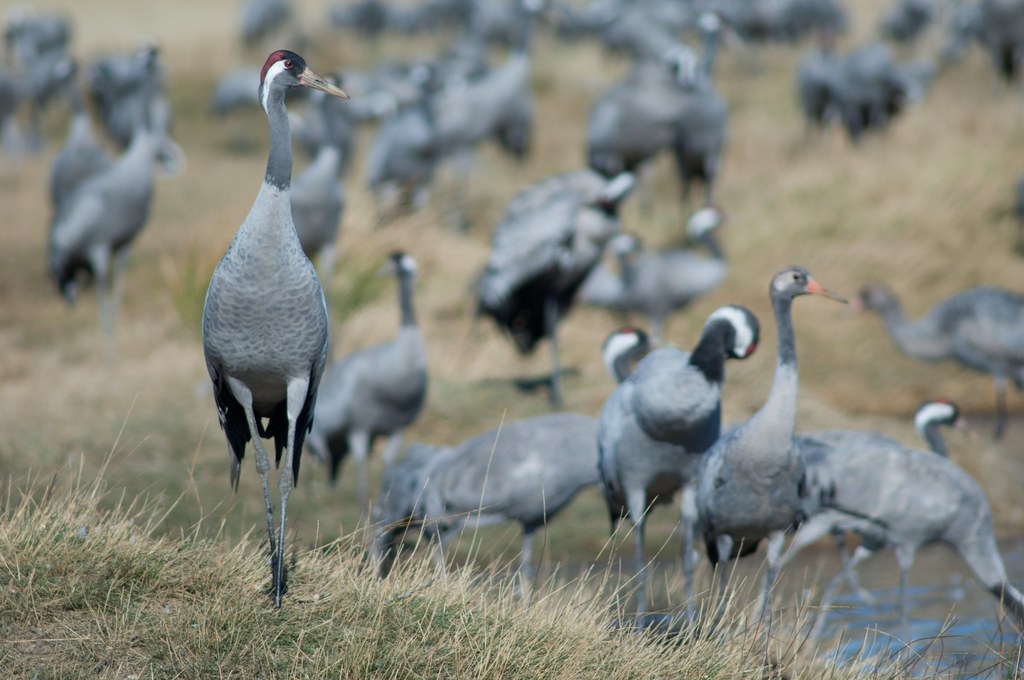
(377,391)
(93,227)
(981,328)
(265,329)
(657,283)
(658,422)
(894,496)
(260,18)
(525,471)
(750,485)
(551,236)
(81,156)
(1001,31)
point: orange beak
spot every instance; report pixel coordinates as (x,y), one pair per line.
(817,289)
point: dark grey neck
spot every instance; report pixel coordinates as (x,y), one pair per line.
(935,441)
(279,161)
(405,281)
(711,243)
(709,354)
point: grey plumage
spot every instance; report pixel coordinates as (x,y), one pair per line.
(551,236)
(657,283)
(1001,31)
(906,20)
(658,422)
(980,328)
(236,89)
(893,496)
(525,471)
(260,18)
(93,228)
(79,158)
(265,330)
(750,485)
(375,392)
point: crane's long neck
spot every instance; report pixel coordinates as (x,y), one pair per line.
(405,283)
(774,422)
(711,243)
(279,161)
(707,58)
(930,433)
(919,338)
(709,354)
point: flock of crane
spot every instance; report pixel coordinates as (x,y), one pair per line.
(659,435)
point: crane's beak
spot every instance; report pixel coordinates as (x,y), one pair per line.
(817,289)
(311,78)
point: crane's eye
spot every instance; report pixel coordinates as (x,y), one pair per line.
(287,63)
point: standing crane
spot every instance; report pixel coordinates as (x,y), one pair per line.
(265,325)
(981,328)
(551,236)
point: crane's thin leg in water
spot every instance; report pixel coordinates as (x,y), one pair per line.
(244,397)
(851,574)
(551,330)
(905,558)
(861,553)
(297,390)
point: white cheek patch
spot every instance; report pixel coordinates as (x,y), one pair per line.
(616,346)
(703,221)
(935,411)
(409,264)
(273,72)
(738,320)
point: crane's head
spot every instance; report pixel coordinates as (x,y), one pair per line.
(401,264)
(875,297)
(794,281)
(938,412)
(629,342)
(742,330)
(285,69)
(703,221)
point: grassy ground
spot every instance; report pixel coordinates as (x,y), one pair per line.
(924,207)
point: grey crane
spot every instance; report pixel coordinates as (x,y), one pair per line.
(1001,31)
(236,89)
(817,81)
(375,392)
(898,497)
(657,283)
(658,422)
(525,471)
(326,123)
(551,236)
(318,201)
(94,227)
(750,482)
(260,18)
(81,156)
(265,330)
(906,20)
(981,328)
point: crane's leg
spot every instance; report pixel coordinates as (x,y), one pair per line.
(99,262)
(551,330)
(636,504)
(244,396)
(723,544)
(851,574)
(120,271)
(688,506)
(297,390)
(905,558)
(829,594)
(394,443)
(776,541)
(1000,407)
(359,443)
(527,573)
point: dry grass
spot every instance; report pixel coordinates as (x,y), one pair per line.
(924,207)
